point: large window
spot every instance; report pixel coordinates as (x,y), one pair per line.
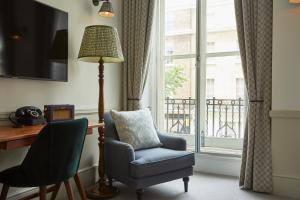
(221,85)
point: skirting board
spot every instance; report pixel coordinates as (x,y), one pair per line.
(215,164)
(286,186)
(87,176)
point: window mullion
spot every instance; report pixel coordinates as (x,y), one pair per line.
(185,56)
(222,54)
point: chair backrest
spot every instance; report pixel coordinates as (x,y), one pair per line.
(110,127)
(55,155)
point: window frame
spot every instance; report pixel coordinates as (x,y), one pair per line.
(200,57)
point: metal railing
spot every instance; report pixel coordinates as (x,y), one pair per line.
(224,117)
(180,114)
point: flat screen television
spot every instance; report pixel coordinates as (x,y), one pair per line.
(33,41)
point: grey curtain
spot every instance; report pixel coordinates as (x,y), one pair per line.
(254,24)
(137,28)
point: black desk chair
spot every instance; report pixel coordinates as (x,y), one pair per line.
(53,158)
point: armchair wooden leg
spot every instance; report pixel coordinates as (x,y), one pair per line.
(55,191)
(43,192)
(80,187)
(186,183)
(140,193)
(69,189)
(4,192)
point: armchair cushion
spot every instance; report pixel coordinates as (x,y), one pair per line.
(155,161)
(136,128)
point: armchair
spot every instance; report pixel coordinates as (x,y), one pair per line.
(143,168)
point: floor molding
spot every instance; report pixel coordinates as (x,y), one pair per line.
(286,186)
(286,177)
(215,164)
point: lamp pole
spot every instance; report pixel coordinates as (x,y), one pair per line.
(101,190)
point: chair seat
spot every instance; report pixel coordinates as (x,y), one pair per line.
(14,177)
(155,161)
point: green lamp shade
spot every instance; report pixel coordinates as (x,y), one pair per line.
(100,42)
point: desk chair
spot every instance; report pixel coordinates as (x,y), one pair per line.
(53,158)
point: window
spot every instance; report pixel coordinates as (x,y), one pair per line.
(178,63)
(220,79)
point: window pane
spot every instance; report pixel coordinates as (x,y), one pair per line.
(225,106)
(180,27)
(225,71)
(180,103)
(221,26)
(210,88)
(180,78)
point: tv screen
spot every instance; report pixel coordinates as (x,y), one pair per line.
(33,41)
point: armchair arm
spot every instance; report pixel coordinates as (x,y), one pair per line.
(172,142)
(118,155)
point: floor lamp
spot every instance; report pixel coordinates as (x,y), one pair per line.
(101,44)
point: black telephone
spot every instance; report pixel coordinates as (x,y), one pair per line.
(28,115)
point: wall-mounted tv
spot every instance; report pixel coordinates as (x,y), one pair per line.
(33,41)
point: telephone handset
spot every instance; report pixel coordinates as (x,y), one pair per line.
(28,115)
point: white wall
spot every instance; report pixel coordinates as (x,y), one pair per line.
(82,87)
(286,99)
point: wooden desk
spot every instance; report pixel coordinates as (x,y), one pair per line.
(12,138)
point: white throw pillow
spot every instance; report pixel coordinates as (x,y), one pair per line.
(136,128)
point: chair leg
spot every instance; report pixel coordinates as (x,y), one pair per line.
(69,189)
(56,189)
(80,187)
(140,193)
(4,192)
(43,192)
(186,183)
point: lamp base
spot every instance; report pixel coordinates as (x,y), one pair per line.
(101,192)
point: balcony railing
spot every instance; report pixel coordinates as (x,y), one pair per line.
(224,117)
(180,115)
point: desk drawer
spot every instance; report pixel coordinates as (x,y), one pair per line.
(16,143)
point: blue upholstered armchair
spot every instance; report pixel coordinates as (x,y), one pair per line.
(143,168)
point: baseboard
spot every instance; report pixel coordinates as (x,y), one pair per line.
(215,164)
(87,176)
(286,186)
